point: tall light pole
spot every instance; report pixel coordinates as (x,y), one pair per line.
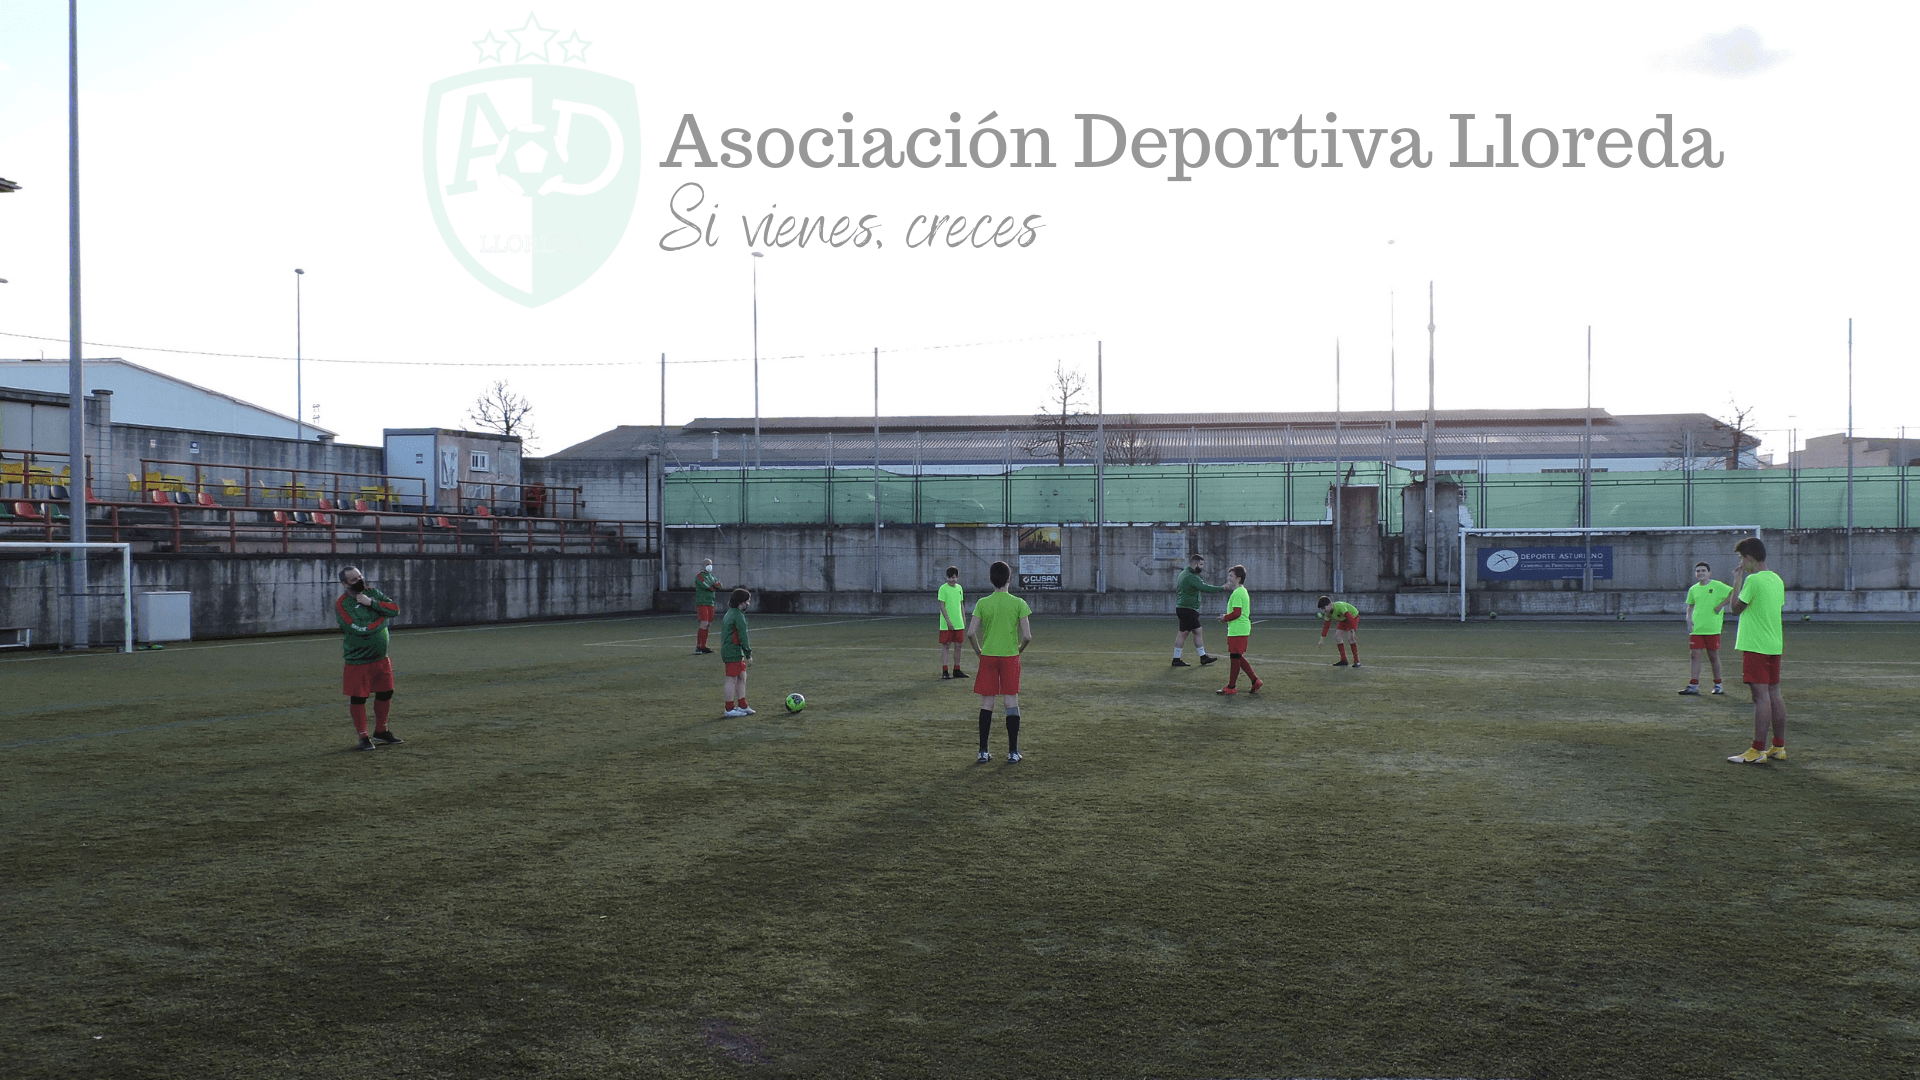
(1586,474)
(76,373)
(299,391)
(756,360)
(1849,455)
(1339,576)
(1433,525)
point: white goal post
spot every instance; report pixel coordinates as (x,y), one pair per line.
(126,574)
(1751,530)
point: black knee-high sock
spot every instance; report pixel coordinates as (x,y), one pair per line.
(986,727)
(1013,731)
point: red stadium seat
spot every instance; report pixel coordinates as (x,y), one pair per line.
(281,517)
(205,499)
(361,505)
(482,511)
(443,523)
(26,510)
(158,498)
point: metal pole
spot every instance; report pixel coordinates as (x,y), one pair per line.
(76,371)
(662,480)
(299,390)
(1392,378)
(126,598)
(1339,574)
(1586,475)
(756,361)
(1099,467)
(1432,529)
(876,472)
(1849,455)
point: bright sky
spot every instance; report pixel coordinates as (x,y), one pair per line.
(226,143)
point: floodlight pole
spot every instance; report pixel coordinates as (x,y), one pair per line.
(756,359)
(1433,527)
(1849,455)
(876,479)
(76,370)
(1099,467)
(1392,400)
(299,391)
(660,507)
(1586,474)
(1339,575)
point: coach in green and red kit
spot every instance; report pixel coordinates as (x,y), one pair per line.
(363,612)
(704,586)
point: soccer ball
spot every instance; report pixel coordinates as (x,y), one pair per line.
(796,702)
(1493,614)
(1806,618)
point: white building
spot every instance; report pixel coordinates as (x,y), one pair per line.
(142,397)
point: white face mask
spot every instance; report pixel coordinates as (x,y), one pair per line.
(709,568)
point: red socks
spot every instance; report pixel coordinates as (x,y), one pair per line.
(729,704)
(702,642)
(1356,654)
(359,711)
(1342,646)
(380,713)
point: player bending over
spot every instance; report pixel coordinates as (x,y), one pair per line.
(999,633)
(1759,594)
(1706,614)
(736,652)
(1344,620)
(704,586)
(363,612)
(1239,620)
(952,602)
(1186,608)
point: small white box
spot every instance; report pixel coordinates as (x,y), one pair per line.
(163,616)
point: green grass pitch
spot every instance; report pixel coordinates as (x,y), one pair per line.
(1498,850)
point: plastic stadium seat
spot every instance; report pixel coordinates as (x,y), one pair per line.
(281,517)
(182,498)
(133,481)
(25,509)
(156,496)
(361,505)
(59,493)
(327,504)
(323,519)
(443,523)
(206,500)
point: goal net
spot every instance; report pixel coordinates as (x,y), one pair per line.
(66,594)
(1651,558)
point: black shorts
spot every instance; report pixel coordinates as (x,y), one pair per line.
(1189,618)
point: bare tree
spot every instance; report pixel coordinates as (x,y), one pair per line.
(1130,444)
(1720,446)
(500,409)
(1060,423)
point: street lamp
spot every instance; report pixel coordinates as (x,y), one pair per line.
(299,394)
(756,360)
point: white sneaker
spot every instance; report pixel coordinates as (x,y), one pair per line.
(744,711)
(984,756)
(1717,689)
(734,713)
(1011,758)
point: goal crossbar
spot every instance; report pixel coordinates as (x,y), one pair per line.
(1753,530)
(126,573)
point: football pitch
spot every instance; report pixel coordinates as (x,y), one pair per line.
(1497,850)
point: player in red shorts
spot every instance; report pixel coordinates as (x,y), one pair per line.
(704,586)
(1344,620)
(951,600)
(1706,606)
(999,633)
(363,612)
(736,652)
(1759,596)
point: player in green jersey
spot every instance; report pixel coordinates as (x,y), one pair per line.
(1706,614)
(951,601)
(999,633)
(1344,620)
(1239,620)
(1759,596)
(704,586)
(362,613)
(1186,608)
(736,652)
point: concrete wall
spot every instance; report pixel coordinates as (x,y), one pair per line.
(244,595)
(611,490)
(812,568)
(220,453)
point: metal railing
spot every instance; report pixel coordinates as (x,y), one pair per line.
(276,485)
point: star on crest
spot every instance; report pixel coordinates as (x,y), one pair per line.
(489,47)
(531,40)
(576,49)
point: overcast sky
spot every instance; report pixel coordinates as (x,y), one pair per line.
(226,143)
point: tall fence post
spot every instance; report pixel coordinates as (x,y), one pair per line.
(829,479)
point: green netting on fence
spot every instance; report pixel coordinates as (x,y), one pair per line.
(1768,498)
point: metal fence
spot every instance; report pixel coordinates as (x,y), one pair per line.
(1509,478)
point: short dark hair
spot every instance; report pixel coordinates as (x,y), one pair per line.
(739,597)
(1238,571)
(1323,601)
(999,573)
(1752,548)
(345,570)
(1703,566)
(953,571)
(1196,557)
